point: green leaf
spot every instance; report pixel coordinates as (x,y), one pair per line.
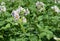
(1,36)
(2,23)
(40,18)
(33,38)
(12,39)
(41,35)
(21,39)
(9,19)
(6,27)
(49,34)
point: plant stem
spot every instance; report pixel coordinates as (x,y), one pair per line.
(22,28)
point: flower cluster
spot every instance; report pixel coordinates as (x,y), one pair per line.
(56,38)
(40,6)
(2,7)
(57,1)
(24,19)
(55,8)
(32,20)
(16,13)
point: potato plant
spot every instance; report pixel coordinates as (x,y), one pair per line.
(29,20)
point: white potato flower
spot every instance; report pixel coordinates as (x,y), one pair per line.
(26,12)
(19,9)
(57,38)
(39,3)
(40,6)
(2,8)
(24,20)
(15,14)
(22,9)
(55,8)
(2,3)
(57,1)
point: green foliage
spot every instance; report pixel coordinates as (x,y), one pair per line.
(40,25)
